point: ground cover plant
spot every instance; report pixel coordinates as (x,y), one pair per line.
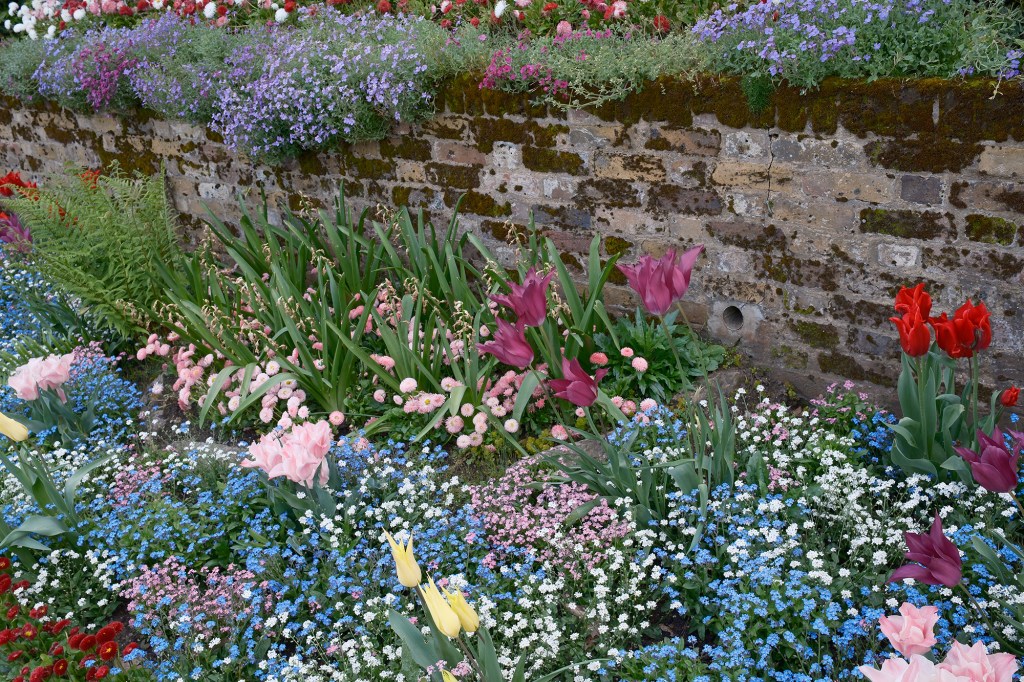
(344,449)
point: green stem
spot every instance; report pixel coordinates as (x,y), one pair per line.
(675,353)
(974,399)
(929,438)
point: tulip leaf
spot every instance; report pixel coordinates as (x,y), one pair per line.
(413,639)
(581,511)
(531,380)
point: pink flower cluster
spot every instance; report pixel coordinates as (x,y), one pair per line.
(516,514)
(210,601)
(296,455)
(42,374)
(912,634)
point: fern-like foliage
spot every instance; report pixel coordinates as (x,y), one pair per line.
(103,239)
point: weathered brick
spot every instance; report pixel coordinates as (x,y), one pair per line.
(921,190)
(552,161)
(1005,161)
(447,175)
(673,199)
(876,188)
(988,196)
(990,230)
(755,176)
(629,167)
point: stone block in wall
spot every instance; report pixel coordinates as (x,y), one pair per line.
(1007,162)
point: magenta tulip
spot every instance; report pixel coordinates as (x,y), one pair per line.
(993,466)
(576,386)
(529,301)
(935,560)
(662,282)
(510,345)
(13,232)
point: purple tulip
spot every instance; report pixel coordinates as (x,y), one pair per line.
(529,301)
(993,466)
(14,233)
(576,386)
(510,345)
(936,560)
(662,282)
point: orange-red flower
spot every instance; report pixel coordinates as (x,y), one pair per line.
(968,332)
(915,339)
(1009,397)
(108,650)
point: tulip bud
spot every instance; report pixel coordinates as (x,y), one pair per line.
(467,616)
(409,573)
(14,430)
(441,611)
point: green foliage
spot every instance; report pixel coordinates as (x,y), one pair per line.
(590,69)
(104,242)
(19,59)
(758,89)
(648,340)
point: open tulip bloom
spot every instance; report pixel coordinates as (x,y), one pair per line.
(993,465)
(661,283)
(934,559)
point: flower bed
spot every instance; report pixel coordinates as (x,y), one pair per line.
(367,456)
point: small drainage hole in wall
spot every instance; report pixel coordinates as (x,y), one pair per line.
(733,318)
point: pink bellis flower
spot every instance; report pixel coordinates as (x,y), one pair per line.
(662,282)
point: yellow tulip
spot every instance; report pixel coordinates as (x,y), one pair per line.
(444,617)
(409,573)
(467,616)
(14,430)
(448,677)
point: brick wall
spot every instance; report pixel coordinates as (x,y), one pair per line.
(814,211)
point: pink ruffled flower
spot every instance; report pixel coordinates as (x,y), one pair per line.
(598,359)
(975,664)
(42,374)
(639,364)
(911,632)
(626,352)
(297,455)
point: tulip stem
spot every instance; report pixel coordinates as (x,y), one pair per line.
(675,353)
(1016,501)
(974,398)
(929,439)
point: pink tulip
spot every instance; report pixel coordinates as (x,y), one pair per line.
(918,669)
(297,455)
(913,631)
(576,386)
(993,466)
(975,664)
(42,374)
(935,560)
(662,282)
(13,232)
(528,301)
(510,345)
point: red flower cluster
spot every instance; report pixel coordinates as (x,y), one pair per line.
(50,649)
(13,180)
(968,332)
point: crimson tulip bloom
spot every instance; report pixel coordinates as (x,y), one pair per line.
(993,466)
(510,345)
(935,560)
(909,299)
(969,331)
(529,301)
(662,282)
(1009,397)
(578,387)
(915,339)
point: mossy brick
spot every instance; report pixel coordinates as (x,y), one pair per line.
(890,107)
(724,98)
(861,312)
(614,245)
(680,200)
(846,366)
(990,230)
(545,160)
(824,336)
(608,193)
(413,197)
(561,216)
(979,109)
(692,141)
(790,357)
(455,177)
(792,109)
(406,147)
(446,127)
(749,236)
(507,231)
(988,196)
(363,167)
(670,102)
(476,203)
(490,130)
(928,153)
(907,224)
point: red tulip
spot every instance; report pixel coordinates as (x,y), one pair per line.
(993,466)
(1009,397)
(576,386)
(510,345)
(662,282)
(935,560)
(968,332)
(909,299)
(529,301)
(915,338)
